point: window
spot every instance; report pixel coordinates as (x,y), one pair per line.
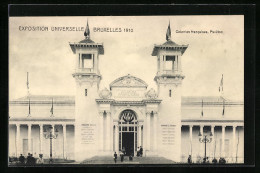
(170,93)
(169,62)
(86,92)
(87,61)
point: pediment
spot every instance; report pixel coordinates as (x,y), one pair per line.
(128,81)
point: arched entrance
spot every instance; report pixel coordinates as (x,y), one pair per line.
(128,132)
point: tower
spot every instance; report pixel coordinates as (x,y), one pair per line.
(169,83)
(87,77)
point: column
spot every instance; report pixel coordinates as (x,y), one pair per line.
(161,63)
(175,65)
(101,132)
(134,140)
(176,60)
(139,136)
(116,138)
(223,142)
(201,144)
(179,64)
(53,146)
(18,147)
(213,141)
(108,137)
(148,134)
(41,137)
(234,144)
(77,61)
(64,141)
(191,140)
(29,138)
(155,117)
(93,62)
(80,60)
(164,57)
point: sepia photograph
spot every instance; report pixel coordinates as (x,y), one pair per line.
(126,90)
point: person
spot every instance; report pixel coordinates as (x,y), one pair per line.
(189,159)
(204,160)
(222,160)
(28,159)
(138,152)
(141,151)
(214,161)
(207,160)
(115,157)
(123,150)
(22,159)
(40,159)
(131,157)
(33,160)
(122,156)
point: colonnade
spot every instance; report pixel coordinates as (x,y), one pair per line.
(41,136)
(223,134)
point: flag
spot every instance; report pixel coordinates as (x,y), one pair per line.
(202,108)
(87,31)
(27,83)
(221,84)
(223,108)
(51,107)
(168,33)
(29,107)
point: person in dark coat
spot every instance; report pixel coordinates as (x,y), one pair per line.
(141,151)
(29,159)
(22,159)
(189,159)
(214,161)
(115,157)
(122,157)
(33,160)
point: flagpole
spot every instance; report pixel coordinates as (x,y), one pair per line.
(28,91)
(202,108)
(29,113)
(222,91)
(51,108)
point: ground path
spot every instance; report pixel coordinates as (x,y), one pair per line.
(136,160)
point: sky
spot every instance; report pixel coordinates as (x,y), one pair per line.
(48,58)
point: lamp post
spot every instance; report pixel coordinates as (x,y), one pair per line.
(50,135)
(205,140)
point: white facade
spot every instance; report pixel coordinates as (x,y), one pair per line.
(127,115)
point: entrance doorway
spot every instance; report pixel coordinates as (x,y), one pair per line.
(128,142)
(128,132)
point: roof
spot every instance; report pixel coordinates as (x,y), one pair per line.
(71,99)
(87,40)
(169,45)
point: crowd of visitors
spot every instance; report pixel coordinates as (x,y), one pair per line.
(29,160)
(206,160)
(131,156)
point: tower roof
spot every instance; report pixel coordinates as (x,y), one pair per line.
(169,44)
(87,42)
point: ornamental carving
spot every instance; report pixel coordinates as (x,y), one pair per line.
(128,81)
(105,94)
(151,94)
(128,116)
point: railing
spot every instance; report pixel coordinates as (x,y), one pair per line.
(169,72)
(84,70)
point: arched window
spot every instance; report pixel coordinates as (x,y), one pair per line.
(128,116)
